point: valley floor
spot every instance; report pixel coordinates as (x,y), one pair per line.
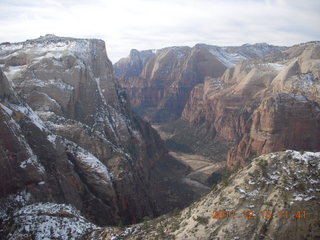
(205,171)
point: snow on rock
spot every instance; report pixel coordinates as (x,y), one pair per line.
(33,161)
(100,91)
(276,66)
(272,182)
(26,110)
(228,59)
(89,162)
(292,171)
(7,110)
(28,115)
(298,171)
(92,162)
(13,201)
(47,208)
(52,138)
(46,47)
(303,197)
(304,81)
(11,47)
(307,79)
(305,157)
(58,83)
(12,71)
(123,234)
(11,109)
(50,221)
(57,124)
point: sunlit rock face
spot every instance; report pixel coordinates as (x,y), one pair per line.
(262,105)
(159,82)
(69,135)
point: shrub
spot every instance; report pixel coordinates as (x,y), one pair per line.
(201,220)
(175,212)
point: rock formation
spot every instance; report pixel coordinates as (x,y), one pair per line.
(159,82)
(262,105)
(280,122)
(88,150)
(35,168)
(275,197)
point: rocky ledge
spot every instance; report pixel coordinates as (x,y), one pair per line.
(275,197)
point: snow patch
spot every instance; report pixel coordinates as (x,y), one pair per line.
(12,71)
(30,113)
(50,83)
(50,221)
(305,157)
(127,232)
(13,201)
(7,110)
(228,59)
(307,80)
(52,138)
(274,175)
(94,163)
(276,66)
(11,47)
(100,91)
(33,161)
(251,182)
(302,197)
(89,161)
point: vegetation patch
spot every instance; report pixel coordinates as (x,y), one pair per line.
(187,139)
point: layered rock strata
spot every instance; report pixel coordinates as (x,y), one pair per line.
(159,82)
(262,105)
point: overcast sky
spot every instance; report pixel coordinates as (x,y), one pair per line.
(150,24)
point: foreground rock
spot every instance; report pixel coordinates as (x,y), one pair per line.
(48,221)
(88,150)
(159,82)
(275,197)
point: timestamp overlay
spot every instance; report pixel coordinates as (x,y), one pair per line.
(263,214)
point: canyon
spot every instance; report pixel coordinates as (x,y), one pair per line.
(158,82)
(86,145)
(263,99)
(262,105)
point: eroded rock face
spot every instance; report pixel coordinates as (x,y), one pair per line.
(35,166)
(280,122)
(111,162)
(262,105)
(159,83)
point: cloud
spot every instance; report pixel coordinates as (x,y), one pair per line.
(145,24)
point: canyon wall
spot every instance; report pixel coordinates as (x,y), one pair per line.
(262,105)
(92,151)
(159,82)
